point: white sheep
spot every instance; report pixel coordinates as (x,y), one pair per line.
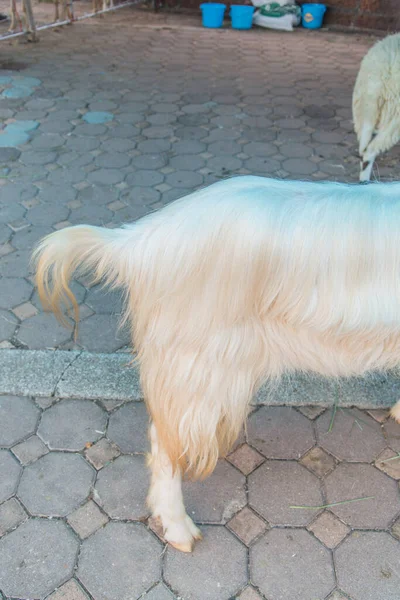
(376,102)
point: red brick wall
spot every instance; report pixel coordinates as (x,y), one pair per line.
(363,14)
(383,15)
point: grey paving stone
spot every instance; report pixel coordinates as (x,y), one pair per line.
(262,166)
(46,214)
(184,179)
(128,428)
(140,196)
(43,331)
(159,592)
(188,147)
(47,141)
(366,566)
(226,573)
(191,133)
(82,143)
(224,165)
(29,237)
(288,484)
(90,213)
(9,475)
(30,450)
(156,146)
(104,301)
(18,418)
(55,484)
(291,563)
(217,498)
(71,424)
(100,333)
(392,432)
(121,488)
(101,453)
(118,145)
(354,436)
(30,373)
(77,289)
(112,160)
(106,176)
(52,126)
(150,161)
(37,558)
(259,149)
(9,154)
(67,176)
(8,325)
(349,481)
(190,162)
(280,432)
(11,515)
(135,558)
(87,519)
(47,194)
(144,177)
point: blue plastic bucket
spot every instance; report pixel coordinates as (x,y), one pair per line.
(312,15)
(242,16)
(212,14)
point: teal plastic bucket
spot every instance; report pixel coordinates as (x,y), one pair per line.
(242,16)
(212,14)
(312,15)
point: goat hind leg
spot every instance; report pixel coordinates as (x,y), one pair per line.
(166,501)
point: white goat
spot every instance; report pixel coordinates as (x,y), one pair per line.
(236,283)
(376,102)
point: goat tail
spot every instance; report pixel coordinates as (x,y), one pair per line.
(80,249)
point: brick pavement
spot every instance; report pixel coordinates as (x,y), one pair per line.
(118,117)
(183,107)
(74,524)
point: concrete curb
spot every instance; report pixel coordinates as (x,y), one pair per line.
(62,374)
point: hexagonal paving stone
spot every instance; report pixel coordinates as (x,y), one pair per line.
(280,432)
(100,333)
(121,488)
(199,578)
(392,430)
(14,291)
(71,424)
(217,498)
(43,331)
(290,563)
(350,481)
(355,436)
(367,566)
(159,592)
(36,558)
(11,515)
(8,325)
(18,418)
(55,484)
(277,485)
(128,428)
(9,475)
(119,562)
(104,301)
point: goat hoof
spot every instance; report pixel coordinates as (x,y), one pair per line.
(395,412)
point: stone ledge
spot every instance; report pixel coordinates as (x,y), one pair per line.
(110,377)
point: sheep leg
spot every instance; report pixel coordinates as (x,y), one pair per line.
(387,136)
(56,11)
(13,11)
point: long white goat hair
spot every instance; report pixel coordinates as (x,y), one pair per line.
(376,102)
(236,283)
